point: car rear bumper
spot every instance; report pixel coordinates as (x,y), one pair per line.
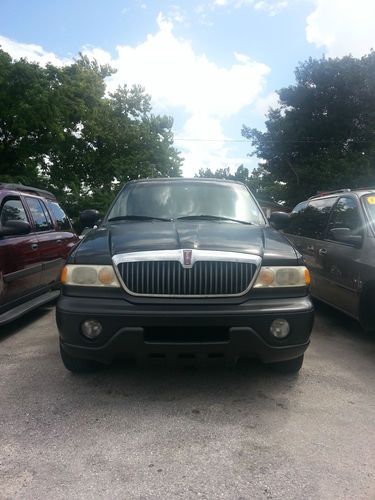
(173,331)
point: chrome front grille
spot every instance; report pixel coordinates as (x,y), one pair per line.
(169,277)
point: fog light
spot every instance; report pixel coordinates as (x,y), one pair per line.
(91,328)
(280,328)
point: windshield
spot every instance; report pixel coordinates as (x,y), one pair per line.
(172,200)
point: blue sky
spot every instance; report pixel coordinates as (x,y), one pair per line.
(211,64)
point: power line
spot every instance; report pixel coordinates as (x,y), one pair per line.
(301,141)
(210,140)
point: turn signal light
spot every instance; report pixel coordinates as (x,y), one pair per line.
(64,275)
(307,277)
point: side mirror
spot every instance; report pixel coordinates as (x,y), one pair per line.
(15,228)
(279,220)
(344,235)
(88,218)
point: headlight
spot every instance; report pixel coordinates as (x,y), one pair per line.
(280,276)
(74,274)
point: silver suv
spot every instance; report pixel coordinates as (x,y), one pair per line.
(335,233)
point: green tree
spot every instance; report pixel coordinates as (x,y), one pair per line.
(61,131)
(241,174)
(322,135)
(254,181)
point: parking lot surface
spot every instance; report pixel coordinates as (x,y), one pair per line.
(178,432)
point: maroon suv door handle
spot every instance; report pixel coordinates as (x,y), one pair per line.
(323,251)
(59,241)
(34,246)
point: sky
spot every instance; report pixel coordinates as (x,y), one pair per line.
(213,65)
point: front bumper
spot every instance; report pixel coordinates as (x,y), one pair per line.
(243,329)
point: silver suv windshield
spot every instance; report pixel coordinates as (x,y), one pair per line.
(187,199)
(368,201)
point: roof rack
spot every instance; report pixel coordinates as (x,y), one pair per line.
(27,189)
(324,193)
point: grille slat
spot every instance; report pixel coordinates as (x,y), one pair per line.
(170,278)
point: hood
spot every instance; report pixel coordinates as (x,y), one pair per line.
(133,236)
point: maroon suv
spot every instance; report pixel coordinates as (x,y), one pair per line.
(36,237)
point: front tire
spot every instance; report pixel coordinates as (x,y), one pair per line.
(288,367)
(366,311)
(78,365)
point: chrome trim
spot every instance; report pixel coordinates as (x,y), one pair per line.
(178,255)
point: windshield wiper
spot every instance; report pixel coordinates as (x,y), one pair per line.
(137,217)
(212,217)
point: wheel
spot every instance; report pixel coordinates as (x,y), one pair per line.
(78,365)
(366,311)
(289,366)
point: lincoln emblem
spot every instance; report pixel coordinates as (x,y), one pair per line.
(187,257)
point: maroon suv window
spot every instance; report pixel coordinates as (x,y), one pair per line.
(12,210)
(62,220)
(42,220)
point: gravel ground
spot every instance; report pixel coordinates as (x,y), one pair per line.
(157,432)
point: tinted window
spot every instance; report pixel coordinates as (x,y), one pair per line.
(62,220)
(296,224)
(301,206)
(317,216)
(13,210)
(186,198)
(39,213)
(345,214)
(311,221)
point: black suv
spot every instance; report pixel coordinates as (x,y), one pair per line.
(184,268)
(335,233)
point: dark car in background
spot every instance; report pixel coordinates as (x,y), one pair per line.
(335,233)
(184,269)
(36,237)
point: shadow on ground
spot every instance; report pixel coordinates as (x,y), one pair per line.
(330,321)
(25,321)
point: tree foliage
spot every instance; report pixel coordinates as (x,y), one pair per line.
(60,130)
(241,175)
(322,135)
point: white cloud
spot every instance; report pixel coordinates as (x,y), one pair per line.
(205,9)
(30,51)
(263,104)
(176,14)
(271,7)
(176,76)
(179,80)
(215,152)
(102,56)
(202,142)
(141,4)
(342,26)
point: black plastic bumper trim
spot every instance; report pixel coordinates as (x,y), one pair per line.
(124,325)
(243,342)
